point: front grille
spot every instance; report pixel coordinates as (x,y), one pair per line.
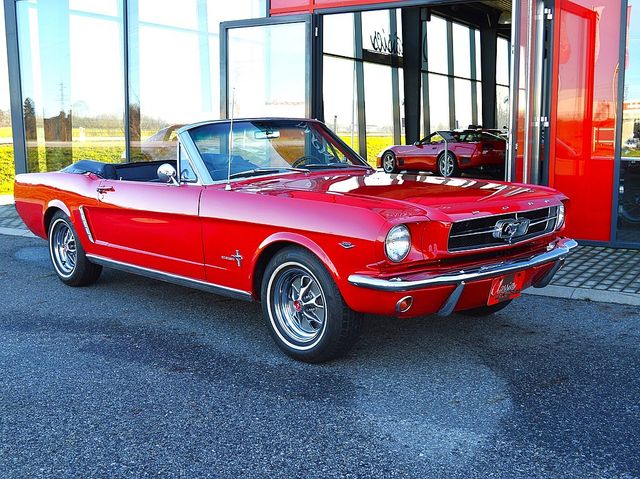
(481,232)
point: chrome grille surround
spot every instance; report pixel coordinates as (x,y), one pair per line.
(501,230)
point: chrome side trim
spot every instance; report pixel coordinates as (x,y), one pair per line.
(86,224)
(171,278)
(555,251)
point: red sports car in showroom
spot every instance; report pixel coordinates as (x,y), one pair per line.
(446,153)
(283,212)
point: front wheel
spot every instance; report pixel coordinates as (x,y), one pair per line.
(448,165)
(67,254)
(304,310)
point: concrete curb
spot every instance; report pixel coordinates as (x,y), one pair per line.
(552,291)
(17,232)
(599,295)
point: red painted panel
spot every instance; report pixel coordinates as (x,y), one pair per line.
(584,99)
(279,7)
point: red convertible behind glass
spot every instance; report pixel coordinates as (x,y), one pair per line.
(446,153)
(283,212)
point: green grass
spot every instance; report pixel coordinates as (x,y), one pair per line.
(7,169)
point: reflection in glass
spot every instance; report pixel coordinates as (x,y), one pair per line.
(379,108)
(7,167)
(502,61)
(337,36)
(461,51)
(478,55)
(464,112)
(629,187)
(174,76)
(267,68)
(502,106)
(71,71)
(340,101)
(437,45)
(439,102)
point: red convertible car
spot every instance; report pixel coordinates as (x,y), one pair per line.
(283,212)
(446,153)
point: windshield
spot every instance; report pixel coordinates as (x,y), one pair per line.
(266,146)
(438,137)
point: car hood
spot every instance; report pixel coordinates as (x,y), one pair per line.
(445,199)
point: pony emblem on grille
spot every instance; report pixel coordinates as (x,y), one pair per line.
(511,228)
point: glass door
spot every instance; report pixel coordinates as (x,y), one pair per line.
(530,84)
(266,67)
(628,207)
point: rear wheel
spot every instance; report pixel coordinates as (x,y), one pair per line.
(486,310)
(448,165)
(389,164)
(304,310)
(67,254)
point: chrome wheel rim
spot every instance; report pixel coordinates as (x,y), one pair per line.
(447,165)
(63,248)
(388,162)
(298,304)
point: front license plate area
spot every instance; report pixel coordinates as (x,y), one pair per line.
(504,288)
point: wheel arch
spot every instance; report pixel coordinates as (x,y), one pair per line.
(276,242)
(52,207)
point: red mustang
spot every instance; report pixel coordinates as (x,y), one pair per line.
(446,153)
(283,212)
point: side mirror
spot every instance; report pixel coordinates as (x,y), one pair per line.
(417,143)
(167,174)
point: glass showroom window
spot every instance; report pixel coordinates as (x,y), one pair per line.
(629,186)
(451,58)
(71,65)
(339,77)
(7,167)
(502,82)
(174,67)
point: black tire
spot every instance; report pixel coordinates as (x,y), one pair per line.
(288,305)
(486,310)
(455,171)
(67,254)
(389,162)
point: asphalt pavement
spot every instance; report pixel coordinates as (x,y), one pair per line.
(136,378)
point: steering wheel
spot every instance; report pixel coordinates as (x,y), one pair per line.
(303,160)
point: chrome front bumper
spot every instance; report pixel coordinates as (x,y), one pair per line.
(556,252)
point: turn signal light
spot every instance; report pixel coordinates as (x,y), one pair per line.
(404,304)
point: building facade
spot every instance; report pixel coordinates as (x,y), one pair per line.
(113,79)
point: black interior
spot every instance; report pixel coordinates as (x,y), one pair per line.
(141,171)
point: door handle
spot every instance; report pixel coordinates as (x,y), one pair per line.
(105,189)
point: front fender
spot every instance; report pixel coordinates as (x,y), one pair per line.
(298,239)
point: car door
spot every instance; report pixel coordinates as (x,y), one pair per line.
(151,225)
(428,152)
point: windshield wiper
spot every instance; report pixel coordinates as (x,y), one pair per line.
(261,171)
(335,165)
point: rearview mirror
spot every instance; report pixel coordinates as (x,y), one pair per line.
(267,134)
(167,174)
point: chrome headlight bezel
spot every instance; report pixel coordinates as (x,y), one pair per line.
(397,243)
(560,216)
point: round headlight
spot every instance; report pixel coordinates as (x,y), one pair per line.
(398,243)
(559,217)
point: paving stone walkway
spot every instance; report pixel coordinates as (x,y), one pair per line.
(591,272)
